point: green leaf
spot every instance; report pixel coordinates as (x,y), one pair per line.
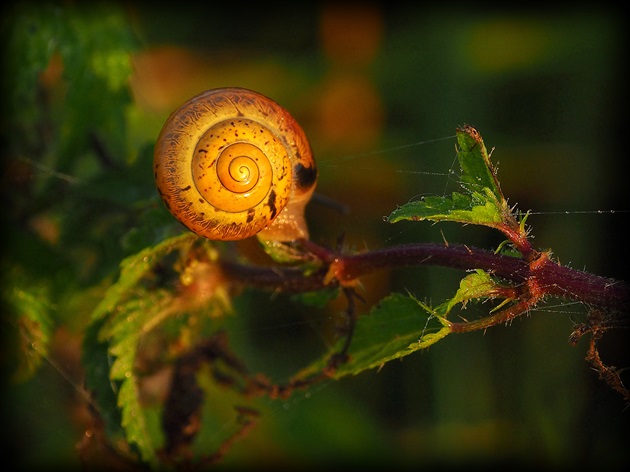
(134,421)
(477,208)
(134,268)
(475,286)
(96,363)
(481,204)
(97,63)
(29,313)
(131,309)
(474,161)
(92,48)
(401,325)
(34,33)
(117,325)
(398,326)
(124,331)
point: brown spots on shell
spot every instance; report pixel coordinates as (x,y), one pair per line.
(243,116)
(271,203)
(283,174)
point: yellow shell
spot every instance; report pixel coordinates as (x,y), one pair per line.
(230,163)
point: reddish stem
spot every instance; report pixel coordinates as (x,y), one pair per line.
(502,316)
(518,238)
(547,276)
(454,256)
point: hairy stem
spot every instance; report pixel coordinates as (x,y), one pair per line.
(453,256)
(336,269)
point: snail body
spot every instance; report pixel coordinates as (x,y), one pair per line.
(231,163)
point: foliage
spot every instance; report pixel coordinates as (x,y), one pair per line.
(157,304)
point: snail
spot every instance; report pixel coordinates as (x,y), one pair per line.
(231,163)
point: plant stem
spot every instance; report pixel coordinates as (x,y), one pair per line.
(502,316)
(453,256)
(338,269)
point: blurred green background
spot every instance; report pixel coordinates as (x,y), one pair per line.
(379,90)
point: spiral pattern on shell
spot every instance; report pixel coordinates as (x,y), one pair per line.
(230,163)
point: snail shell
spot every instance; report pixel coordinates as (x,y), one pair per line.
(231,163)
